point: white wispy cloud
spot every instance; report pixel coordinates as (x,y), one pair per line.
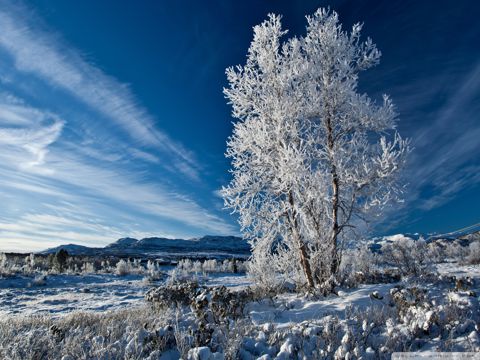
(148,198)
(33,232)
(66,168)
(42,54)
(66,179)
(444,160)
(447,144)
(27,132)
(73,180)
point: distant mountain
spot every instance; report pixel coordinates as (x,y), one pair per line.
(122,243)
(223,246)
(207,246)
(214,244)
(72,249)
(472,236)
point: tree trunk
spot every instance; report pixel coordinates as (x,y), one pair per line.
(335,201)
(306,266)
(334,264)
(304,257)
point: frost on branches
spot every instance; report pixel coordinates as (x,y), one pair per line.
(311,156)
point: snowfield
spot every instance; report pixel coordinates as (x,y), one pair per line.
(66,293)
(289,309)
(106,316)
(454,269)
(406,295)
(96,292)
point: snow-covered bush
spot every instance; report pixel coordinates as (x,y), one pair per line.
(228,265)
(105,266)
(30,266)
(4,266)
(219,305)
(217,321)
(363,266)
(436,252)
(473,256)
(407,255)
(88,268)
(359,265)
(136,266)
(210,304)
(172,295)
(39,280)
(123,268)
(210,265)
(153,272)
(455,251)
(262,275)
(127,267)
(12,265)
(194,270)
(179,275)
(152,267)
(127,334)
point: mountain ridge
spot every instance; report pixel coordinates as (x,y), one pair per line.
(213,246)
(203,246)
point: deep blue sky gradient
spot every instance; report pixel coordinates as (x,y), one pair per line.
(172,56)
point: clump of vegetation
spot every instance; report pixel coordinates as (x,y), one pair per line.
(172,295)
(130,333)
(196,270)
(63,263)
(407,255)
(473,256)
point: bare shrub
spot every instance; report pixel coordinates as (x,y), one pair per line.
(409,256)
(172,295)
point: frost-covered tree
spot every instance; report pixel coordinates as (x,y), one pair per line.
(30,263)
(311,156)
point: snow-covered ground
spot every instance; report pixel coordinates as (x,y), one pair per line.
(96,292)
(418,313)
(289,309)
(454,269)
(100,292)
(66,293)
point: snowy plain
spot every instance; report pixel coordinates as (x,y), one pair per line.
(63,294)
(426,302)
(278,326)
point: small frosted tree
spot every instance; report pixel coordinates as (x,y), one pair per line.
(311,156)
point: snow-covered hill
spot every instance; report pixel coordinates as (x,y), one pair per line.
(376,243)
(207,246)
(73,249)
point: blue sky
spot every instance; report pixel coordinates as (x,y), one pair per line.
(113,121)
